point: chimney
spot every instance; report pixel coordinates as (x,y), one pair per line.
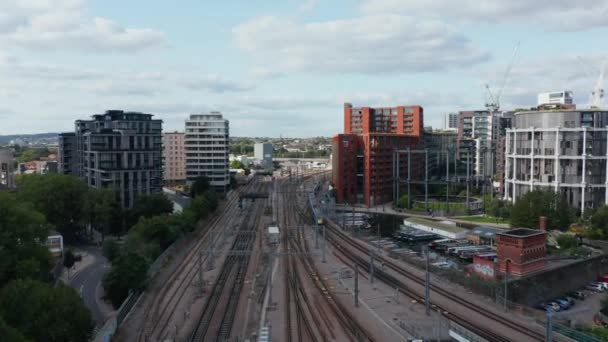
(542,223)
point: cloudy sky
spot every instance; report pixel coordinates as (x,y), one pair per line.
(285,67)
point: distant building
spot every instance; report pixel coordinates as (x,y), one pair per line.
(439,143)
(117,149)
(54,242)
(450,122)
(521,251)
(563,150)
(441,140)
(263,153)
(67,155)
(206,143)
(7,168)
(556,97)
(174,158)
(482,235)
(475,137)
(245,160)
(362,155)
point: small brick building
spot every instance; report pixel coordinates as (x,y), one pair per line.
(523,249)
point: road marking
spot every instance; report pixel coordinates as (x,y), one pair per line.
(81,289)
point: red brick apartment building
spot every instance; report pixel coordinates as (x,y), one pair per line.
(363,154)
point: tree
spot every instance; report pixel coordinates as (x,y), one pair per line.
(43,312)
(10,334)
(499,208)
(404,202)
(212,199)
(111,249)
(148,206)
(29,154)
(200,207)
(599,222)
(69,260)
(157,229)
(566,241)
(236,164)
(200,185)
(22,229)
(129,272)
(534,204)
(103,210)
(59,197)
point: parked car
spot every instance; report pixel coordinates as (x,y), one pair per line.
(602,286)
(576,295)
(595,287)
(555,306)
(564,304)
(570,300)
(546,307)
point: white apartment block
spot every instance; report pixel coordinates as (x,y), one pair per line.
(206,143)
(555,97)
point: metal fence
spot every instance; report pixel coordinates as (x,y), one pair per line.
(573,334)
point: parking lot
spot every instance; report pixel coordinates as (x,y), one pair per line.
(582,312)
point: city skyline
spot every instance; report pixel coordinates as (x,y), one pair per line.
(283,68)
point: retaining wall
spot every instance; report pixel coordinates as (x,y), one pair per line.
(553,283)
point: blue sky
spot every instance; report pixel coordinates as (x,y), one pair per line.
(286,67)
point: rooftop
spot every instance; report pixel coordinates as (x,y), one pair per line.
(453,228)
(485,231)
(560,110)
(522,232)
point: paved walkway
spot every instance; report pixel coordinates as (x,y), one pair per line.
(388,210)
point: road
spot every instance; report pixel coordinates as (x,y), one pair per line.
(88,279)
(178,199)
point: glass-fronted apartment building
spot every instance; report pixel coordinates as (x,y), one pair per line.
(117,149)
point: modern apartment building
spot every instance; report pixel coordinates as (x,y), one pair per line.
(67,155)
(174,158)
(263,153)
(556,97)
(562,149)
(117,149)
(363,155)
(7,169)
(206,143)
(450,121)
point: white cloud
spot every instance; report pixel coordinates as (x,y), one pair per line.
(108,82)
(308,5)
(556,15)
(63,24)
(214,84)
(261,73)
(528,77)
(369,45)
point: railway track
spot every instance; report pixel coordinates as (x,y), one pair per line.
(217,318)
(341,241)
(159,312)
(326,306)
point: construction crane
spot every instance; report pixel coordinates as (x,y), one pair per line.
(597,95)
(493,100)
(596,99)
